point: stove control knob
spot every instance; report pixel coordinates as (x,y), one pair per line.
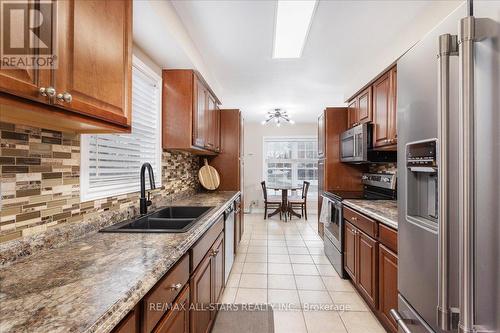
(386,179)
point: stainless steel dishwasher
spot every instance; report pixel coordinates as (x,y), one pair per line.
(228,240)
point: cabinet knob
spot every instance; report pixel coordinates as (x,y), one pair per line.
(47,91)
(65,97)
(176,286)
(354,218)
(214,253)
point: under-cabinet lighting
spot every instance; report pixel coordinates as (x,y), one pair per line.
(293,19)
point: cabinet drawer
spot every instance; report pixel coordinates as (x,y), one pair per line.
(388,237)
(364,223)
(200,249)
(164,293)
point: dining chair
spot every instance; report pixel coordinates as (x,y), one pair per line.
(270,202)
(301,201)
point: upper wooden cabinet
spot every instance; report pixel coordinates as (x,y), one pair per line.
(95,48)
(378,104)
(352,113)
(191,120)
(90,89)
(364,107)
(384,110)
(321,135)
(360,108)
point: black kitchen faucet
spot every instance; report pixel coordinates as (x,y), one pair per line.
(143,201)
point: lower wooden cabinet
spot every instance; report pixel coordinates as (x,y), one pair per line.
(361,261)
(177,320)
(367,261)
(372,264)
(350,250)
(207,284)
(388,285)
(180,303)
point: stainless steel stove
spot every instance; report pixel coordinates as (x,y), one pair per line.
(377,186)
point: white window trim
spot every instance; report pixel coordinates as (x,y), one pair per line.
(282,139)
(85,195)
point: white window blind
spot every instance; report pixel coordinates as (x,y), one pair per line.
(111,163)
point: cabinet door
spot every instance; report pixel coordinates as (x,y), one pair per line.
(321,136)
(382,111)
(393,124)
(177,320)
(217,129)
(237,223)
(210,122)
(218,268)
(321,189)
(95,58)
(388,284)
(350,250)
(352,113)
(367,261)
(199,111)
(364,106)
(26,82)
(202,296)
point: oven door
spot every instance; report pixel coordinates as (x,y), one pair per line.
(333,229)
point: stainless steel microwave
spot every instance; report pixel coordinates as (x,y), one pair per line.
(355,143)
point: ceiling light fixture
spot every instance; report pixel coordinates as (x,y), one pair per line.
(279,116)
(293,20)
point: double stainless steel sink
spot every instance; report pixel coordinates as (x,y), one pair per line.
(175,219)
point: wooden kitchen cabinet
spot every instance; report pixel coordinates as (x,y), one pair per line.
(352,113)
(388,282)
(360,261)
(190,116)
(92,82)
(202,295)
(366,264)
(350,250)
(25,82)
(177,320)
(372,263)
(364,106)
(359,109)
(218,262)
(95,58)
(321,135)
(384,110)
(207,284)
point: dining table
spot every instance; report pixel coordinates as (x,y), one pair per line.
(284,209)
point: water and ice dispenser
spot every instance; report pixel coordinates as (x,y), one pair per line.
(422,184)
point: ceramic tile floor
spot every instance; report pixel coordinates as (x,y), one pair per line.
(283,264)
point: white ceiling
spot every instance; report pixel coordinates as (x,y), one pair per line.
(349,43)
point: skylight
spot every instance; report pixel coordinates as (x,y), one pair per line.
(293,19)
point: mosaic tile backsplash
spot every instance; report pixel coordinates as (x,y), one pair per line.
(40,181)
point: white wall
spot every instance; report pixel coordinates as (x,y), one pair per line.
(253,158)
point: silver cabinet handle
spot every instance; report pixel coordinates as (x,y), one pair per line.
(65,97)
(399,320)
(176,286)
(47,91)
(448,46)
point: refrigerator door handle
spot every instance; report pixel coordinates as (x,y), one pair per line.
(447,319)
(466,174)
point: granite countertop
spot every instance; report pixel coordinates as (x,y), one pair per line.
(90,284)
(384,211)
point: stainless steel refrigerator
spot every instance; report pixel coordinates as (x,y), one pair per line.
(449,176)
